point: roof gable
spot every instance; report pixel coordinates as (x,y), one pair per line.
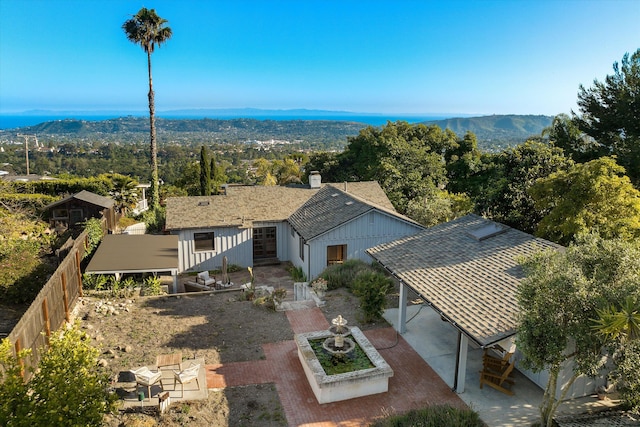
(327,209)
(470,277)
(85,196)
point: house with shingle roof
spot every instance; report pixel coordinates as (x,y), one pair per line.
(311,226)
(468,271)
(73,210)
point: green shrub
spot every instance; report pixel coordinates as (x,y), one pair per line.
(95,282)
(152,286)
(154,219)
(343,275)
(372,289)
(95,233)
(627,374)
(270,300)
(297,274)
(67,389)
(122,288)
(434,416)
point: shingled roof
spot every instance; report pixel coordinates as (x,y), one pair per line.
(85,196)
(467,270)
(242,205)
(331,207)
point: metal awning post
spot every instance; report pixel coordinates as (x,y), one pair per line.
(402,309)
(461,363)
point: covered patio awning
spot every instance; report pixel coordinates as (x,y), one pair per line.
(467,270)
(144,253)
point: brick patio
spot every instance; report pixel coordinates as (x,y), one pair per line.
(414,384)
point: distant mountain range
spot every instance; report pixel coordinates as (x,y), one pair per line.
(497,127)
(493,132)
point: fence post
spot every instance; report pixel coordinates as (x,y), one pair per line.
(79,273)
(17,348)
(47,323)
(65,297)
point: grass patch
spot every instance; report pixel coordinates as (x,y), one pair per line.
(434,416)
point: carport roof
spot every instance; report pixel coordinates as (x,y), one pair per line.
(467,270)
(142,253)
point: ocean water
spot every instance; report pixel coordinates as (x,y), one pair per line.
(8,121)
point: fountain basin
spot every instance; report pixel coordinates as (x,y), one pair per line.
(334,388)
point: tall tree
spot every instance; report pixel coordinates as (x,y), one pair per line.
(611,111)
(593,195)
(407,160)
(147,29)
(561,295)
(218,175)
(564,133)
(205,172)
(502,191)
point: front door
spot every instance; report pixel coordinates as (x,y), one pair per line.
(264,243)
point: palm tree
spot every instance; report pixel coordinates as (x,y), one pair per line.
(124,193)
(147,29)
(620,323)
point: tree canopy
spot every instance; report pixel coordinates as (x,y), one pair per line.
(502,187)
(560,299)
(590,196)
(610,113)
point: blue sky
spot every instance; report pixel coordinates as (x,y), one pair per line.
(396,57)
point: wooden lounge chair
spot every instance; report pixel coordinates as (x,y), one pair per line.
(498,379)
(495,363)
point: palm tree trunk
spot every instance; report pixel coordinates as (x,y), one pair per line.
(155,193)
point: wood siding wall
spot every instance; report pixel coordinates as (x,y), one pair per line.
(233,242)
(359,235)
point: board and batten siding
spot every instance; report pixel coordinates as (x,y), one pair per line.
(233,242)
(359,234)
(582,386)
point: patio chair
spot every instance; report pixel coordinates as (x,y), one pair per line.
(498,379)
(495,363)
(186,376)
(205,279)
(147,378)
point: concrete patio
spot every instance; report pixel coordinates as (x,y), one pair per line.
(192,390)
(436,342)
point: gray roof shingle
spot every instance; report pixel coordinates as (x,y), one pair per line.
(472,282)
(242,205)
(325,210)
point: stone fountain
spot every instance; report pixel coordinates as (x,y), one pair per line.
(340,340)
(338,344)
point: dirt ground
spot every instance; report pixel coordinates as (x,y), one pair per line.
(219,327)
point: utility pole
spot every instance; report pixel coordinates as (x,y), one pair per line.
(26,146)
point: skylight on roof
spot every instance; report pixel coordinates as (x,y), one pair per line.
(487,231)
(348,203)
(334,195)
(204,203)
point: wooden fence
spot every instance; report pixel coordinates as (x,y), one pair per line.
(52,306)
